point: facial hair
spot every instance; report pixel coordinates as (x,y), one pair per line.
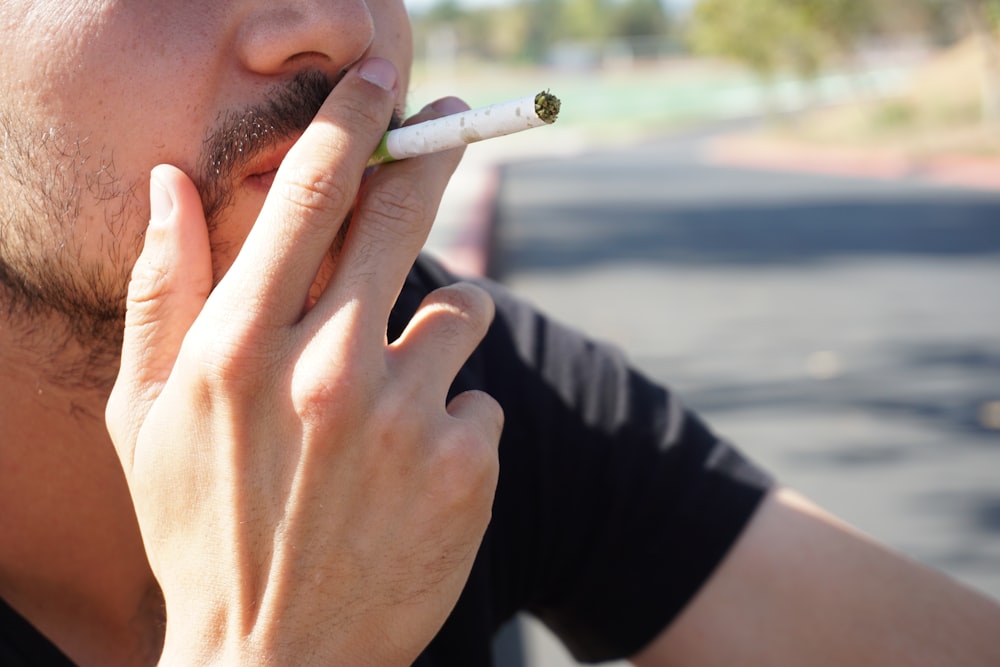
(64,309)
(46,287)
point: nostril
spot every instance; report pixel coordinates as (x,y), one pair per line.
(280,38)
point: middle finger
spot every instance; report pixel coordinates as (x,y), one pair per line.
(313,191)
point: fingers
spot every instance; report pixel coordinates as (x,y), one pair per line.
(389,227)
(445,330)
(442,107)
(170,282)
(313,192)
(479,408)
(317,188)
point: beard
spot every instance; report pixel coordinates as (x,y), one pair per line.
(49,289)
(67,310)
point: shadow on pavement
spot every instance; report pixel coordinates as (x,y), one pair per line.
(896,389)
(590,234)
(725,283)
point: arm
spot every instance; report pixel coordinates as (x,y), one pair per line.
(799,587)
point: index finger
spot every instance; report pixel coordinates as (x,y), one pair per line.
(313,192)
(389,227)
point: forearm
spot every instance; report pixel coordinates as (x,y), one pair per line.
(802,588)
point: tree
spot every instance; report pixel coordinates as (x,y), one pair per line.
(983,20)
(765,35)
(843,20)
(639,18)
(583,20)
(740,31)
(526,30)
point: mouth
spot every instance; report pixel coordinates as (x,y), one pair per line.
(261,172)
(260,176)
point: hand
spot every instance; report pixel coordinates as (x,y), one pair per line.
(304,493)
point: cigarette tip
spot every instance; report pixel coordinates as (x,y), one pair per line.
(547,106)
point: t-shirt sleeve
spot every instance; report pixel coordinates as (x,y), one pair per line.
(616,503)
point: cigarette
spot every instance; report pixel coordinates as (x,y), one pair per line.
(466,127)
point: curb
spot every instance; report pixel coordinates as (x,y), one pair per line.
(962,171)
(463,235)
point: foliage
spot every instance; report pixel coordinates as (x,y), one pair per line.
(768,35)
(639,18)
(526,30)
(805,35)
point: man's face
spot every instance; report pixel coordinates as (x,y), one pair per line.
(94,93)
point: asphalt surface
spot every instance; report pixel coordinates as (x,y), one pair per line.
(844,332)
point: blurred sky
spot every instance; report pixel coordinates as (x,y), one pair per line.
(424,4)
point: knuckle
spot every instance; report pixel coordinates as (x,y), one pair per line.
(394,214)
(489,414)
(470,307)
(360,115)
(466,468)
(317,399)
(149,284)
(233,361)
(322,394)
(314,189)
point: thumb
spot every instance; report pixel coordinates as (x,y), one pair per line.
(170,282)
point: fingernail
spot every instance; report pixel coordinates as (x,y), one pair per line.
(378,72)
(161,203)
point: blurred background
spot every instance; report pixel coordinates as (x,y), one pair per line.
(787,210)
(646,65)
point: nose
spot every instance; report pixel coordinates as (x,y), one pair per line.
(279,37)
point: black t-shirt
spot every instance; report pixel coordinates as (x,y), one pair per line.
(614,504)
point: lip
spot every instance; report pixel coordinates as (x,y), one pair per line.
(261,172)
(260,176)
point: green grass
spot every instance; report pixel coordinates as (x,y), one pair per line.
(637,99)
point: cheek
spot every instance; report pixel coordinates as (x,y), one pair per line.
(112,94)
(70,231)
(119,75)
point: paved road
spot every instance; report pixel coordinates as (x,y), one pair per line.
(844,332)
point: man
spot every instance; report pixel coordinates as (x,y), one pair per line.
(300,488)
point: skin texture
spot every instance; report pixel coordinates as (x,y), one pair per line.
(801,587)
(348,482)
(289,468)
(81,145)
(210,453)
